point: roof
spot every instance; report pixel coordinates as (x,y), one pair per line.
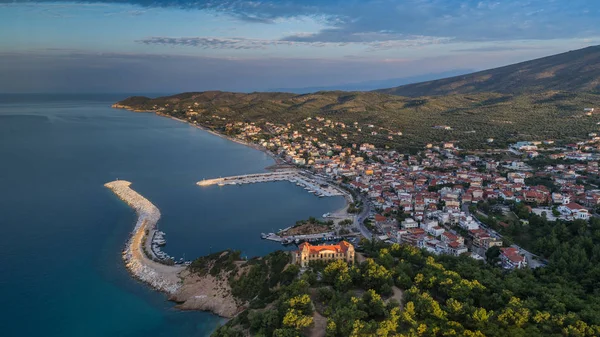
(379,218)
(512,254)
(574,206)
(341,247)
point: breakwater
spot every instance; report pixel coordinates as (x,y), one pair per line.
(309,183)
(139,256)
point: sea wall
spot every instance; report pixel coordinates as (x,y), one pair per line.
(143,267)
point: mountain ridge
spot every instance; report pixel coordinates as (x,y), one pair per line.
(575,71)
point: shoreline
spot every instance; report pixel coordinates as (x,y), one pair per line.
(189,291)
(278,161)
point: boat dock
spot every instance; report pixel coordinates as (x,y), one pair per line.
(285,240)
(313,185)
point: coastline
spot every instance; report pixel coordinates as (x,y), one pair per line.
(278,161)
(189,291)
(214,133)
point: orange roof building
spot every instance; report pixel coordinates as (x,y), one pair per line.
(307,253)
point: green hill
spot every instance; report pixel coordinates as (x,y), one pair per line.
(575,71)
(473,118)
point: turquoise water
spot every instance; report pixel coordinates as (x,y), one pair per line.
(62,231)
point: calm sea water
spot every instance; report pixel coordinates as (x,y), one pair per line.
(61,231)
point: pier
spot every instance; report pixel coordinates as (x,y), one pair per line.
(328,236)
(310,183)
(140,254)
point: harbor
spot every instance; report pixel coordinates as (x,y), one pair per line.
(297,239)
(319,187)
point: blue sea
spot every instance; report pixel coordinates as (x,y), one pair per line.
(62,231)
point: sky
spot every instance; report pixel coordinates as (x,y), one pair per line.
(169,46)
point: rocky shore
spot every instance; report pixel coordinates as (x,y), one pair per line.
(190,291)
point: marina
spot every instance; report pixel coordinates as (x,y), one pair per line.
(311,184)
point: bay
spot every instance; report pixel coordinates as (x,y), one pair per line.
(61,231)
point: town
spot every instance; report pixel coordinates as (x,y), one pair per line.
(444,199)
(439,199)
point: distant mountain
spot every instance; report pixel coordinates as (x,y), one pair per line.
(372,85)
(574,71)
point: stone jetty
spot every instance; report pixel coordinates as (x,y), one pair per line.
(138,255)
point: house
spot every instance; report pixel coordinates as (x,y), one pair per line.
(409,223)
(575,211)
(436,231)
(307,253)
(455,248)
(449,237)
(468,223)
(512,259)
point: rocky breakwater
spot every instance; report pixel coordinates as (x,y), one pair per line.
(192,290)
(137,254)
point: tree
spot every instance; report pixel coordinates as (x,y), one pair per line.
(492,255)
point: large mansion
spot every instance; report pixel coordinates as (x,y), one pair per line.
(307,253)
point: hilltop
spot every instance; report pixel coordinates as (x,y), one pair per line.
(575,71)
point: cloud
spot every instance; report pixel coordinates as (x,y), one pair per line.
(227,43)
(377,20)
(246,44)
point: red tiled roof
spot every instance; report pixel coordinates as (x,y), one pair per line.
(512,254)
(341,247)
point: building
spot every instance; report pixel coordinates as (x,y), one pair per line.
(574,211)
(307,253)
(511,259)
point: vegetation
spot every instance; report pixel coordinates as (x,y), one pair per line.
(310,226)
(474,117)
(442,295)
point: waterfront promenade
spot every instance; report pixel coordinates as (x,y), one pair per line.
(144,267)
(311,184)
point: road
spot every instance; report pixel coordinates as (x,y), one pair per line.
(360,218)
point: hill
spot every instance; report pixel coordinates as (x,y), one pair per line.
(575,71)
(376,84)
(472,118)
